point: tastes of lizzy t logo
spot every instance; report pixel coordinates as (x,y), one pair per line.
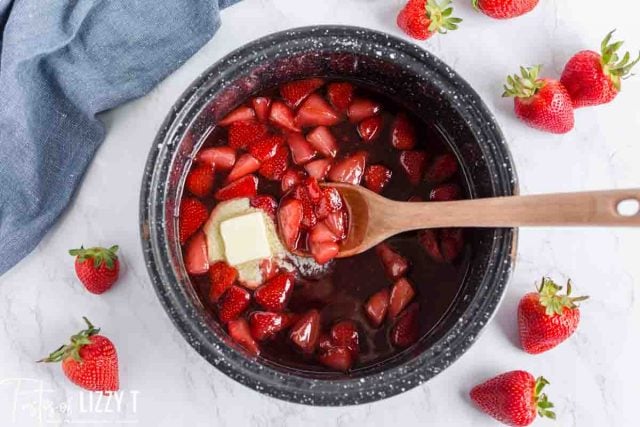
(29,401)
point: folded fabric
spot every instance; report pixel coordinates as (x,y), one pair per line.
(61,63)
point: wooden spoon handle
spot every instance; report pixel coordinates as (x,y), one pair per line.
(594,208)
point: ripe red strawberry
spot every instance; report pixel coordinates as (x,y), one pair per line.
(301,150)
(267,203)
(306,332)
(244,133)
(266,148)
(370,128)
(221,277)
(220,158)
(291,178)
(421,19)
(309,217)
(240,113)
(413,163)
(90,360)
(233,303)
(330,202)
(430,242)
(323,140)
(337,223)
(405,330)
(290,222)
(297,91)
(265,325)
(282,116)
(376,307)
(451,243)
(275,293)
(338,358)
(275,167)
(240,333)
(196,259)
(321,233)
(245,165)
(504,9)
(513,398)
(345,334)
(546,318)
(200,180)
(443,167)
(349,170)
(401,294)
(376,177)
(593,78)
(261,106)
(340,95)
(445,192)
(318,169)
(541,103)
(323,252)
(403,134)
(361,109)
(311,186)
(315,111)
(192,215)
(97,268)
(247,186)
(395,265)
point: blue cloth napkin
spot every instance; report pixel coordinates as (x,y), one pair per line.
(61,63)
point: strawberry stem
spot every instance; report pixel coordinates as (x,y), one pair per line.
(542,403)
(72,349)
(524,86)
(98,254)
(553,302)
(612,65)
(439,13)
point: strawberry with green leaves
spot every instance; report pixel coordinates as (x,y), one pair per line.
(504,9)
(97,268)
(421,19)
(546,318)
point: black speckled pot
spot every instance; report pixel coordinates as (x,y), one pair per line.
(413,77)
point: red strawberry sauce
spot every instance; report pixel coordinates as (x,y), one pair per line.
(434,262)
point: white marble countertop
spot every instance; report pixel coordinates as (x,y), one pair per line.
(594,376)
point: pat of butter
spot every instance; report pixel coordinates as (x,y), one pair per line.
(245,238)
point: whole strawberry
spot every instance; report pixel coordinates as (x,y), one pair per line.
(539,102)
(89,360)
(421,19)
(504,9)
(97,268)
(546,318)
(513,398)
(593,78)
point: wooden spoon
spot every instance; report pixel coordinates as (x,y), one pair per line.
(373,218)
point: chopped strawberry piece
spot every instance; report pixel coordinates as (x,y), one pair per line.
(241,134)
(291,178)
(313,189)
(376,307)
(451,243)
(196,258)
(401,294)
(376,177)
(282,116)
(443,167)
(266,148)
(403,134)
(240,333)
(245,165)
(360,109)
(345,334)
(221,277)
(350,170)
(290,222)
(330,202)
(315,111)
(370,128)
(266,203)
(275,293)
(275,167)
(406,329)
(338,358)
(323,252)
(233,303)
(320,233)
(323,140)
(318,168)
(268,268)
(324,342)
(192,215)
(413,163)
(265,325)
(221,158)
(261,106)
(309,217)
(340,95)
(306,331)
(395,265)
(200,180)
(445,192)
(240,113)
(301,150)
(429,241)
(337,223)
(296,92)
(247,186)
